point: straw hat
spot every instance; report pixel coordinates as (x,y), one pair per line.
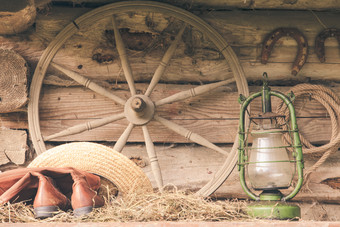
(100,160)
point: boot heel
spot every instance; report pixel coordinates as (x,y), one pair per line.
(45,211)
(82,211)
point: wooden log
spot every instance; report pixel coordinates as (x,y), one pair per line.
(196,166)
(251,32)
(247,4)
(275,4)
(245,36)
(16,120)
(315,190)
(13,81)
(13,146)
(217,110)
(47,29)
(317,211)
(16,16)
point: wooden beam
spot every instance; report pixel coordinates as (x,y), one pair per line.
(17,120)
(13,81)
(232,4)
(196,166)
(13,146)
(217,110)
(243,30)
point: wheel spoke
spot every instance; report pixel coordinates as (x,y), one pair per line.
(150,148)
(89,84)
(189,134)
(123,57)
(192,92)
(164,62)
(85,126)
(123,138)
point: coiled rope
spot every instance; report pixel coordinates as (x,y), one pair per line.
(331,102)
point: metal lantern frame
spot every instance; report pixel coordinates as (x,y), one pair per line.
(266,95)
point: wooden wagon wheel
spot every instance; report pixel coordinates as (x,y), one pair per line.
(139,109)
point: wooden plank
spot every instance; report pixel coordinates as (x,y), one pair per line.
(232,4)
(247,36)
(225,131)
(214,116)
(58,107)
(13,146)
(249,28)
(218,110)
(217,131)
(198,114)
(244,31)
(59,103)
(274,4)
(221,103)
(197,166)
(314,191)
(16,120)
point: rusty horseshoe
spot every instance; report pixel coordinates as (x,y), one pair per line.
(320,41)
(274,36)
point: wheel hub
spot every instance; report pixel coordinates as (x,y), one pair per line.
(139,109)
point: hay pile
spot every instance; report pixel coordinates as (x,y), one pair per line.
(172,205)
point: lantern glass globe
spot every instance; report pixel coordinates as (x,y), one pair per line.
(269,165)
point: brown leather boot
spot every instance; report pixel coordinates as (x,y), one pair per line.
(17,185)
(48,199)
(84,198)
(22,184)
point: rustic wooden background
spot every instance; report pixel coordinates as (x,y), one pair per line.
(244,24)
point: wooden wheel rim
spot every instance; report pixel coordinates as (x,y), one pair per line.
(109,10)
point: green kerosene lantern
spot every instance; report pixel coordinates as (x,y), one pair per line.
(270,164)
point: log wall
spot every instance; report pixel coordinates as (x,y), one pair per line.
(244,30)
(233,4)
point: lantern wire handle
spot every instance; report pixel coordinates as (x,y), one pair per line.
(265,79)
(266,100)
